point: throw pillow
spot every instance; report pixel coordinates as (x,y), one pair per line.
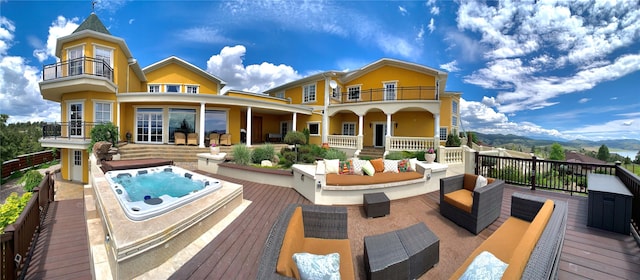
(331,166)
(485,266)
(368,169)
(357,165)
(412,163)
(480,182)
(378,164)
(313,266)
(404,165)
(390,166)
(346,167)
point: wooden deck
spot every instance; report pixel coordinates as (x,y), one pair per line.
(587,253)
(62,249)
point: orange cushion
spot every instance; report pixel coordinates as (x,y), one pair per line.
(469,181)
(501,243)
(378,164)
(293,243)
(378,178)
(490,180)
(521,254)
(462,199)
(321,246)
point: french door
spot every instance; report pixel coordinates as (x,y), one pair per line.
(75,120)
(149,126)
(75,61)
(390,91)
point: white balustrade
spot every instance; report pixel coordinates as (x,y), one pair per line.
(343,141)
(411,143)
(449,155)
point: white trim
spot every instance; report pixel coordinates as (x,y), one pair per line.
(319,127)
(355,128)
(167,85)
(186,87)
(384,132)
(359,86)
(395,90)
(446,134)
(110,102)
(112,50)
(315,93)
(83,118)
(154,85)
(338,90)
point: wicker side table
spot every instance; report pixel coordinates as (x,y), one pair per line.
(376,204)
(385,257)
(422,247)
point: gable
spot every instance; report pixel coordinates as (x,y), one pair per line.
(173,73)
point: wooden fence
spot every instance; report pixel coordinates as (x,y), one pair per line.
(18,238)
(27,161)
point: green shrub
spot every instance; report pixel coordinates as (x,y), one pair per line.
(304,149)
(395,155)
(288,158)
(307,158)
(365,157)
(241,154)
(265,152)
(333,153)
(307,134)
(419,155)
(453,140)
(31,179)
(317,151)
(11,209)
(103,132)
(294,138)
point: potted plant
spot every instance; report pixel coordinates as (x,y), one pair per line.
(128,135)
(214,149)
(430,155)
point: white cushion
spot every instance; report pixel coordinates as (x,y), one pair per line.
(331,166)
(368,169)
(412,163)
(313,266)
(357,165)
(480,182)
(390,166)
(485,266)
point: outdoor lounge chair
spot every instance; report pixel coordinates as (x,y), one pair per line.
(214,138)
(192,139)
(470,207)
(180,138)
(225,139)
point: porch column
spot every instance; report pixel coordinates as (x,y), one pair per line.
(388,124)
(202,130)
(359,144)
(118,124)
(436,128)
(294,122)
(248,127)
(360,125)
(325,113)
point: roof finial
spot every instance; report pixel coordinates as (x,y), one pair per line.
(93,6)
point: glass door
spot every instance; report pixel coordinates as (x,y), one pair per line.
(75,119)
(75,61)
(390,91)
(149,126)
(103,62)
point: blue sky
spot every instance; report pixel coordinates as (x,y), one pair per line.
(550,69)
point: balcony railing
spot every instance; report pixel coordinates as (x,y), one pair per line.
(78,66)
(68,130)
(343,141)
(383,94)
(399,143)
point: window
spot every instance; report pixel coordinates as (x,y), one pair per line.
(353,93)
(454,121)
(75,61)
(335,93)
(77,158)
(314,128)
(309,93)
(173,88)
(102,112)
(349,129)
(191,89)
(443,134)
(280,94)
(215,121)
(454,107)
(103,62)
(154,88)
(390,90)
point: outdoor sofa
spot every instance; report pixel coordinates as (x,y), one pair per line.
(315,229)
(473,208)
(529,241)
(382,176)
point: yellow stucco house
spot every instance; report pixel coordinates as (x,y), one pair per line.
(391,104)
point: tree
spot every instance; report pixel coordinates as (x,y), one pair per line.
(557,153)
(637,158)
(603,153)
(453,140)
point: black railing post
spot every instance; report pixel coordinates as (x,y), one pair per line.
(533,172)
(477,169)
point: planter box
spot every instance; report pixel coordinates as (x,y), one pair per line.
(277,177)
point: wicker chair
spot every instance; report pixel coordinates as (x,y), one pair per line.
(487,202)
(180,138)
(225,139)
(192,139)
(214,138)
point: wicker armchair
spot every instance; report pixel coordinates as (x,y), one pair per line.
(487,202)
(214,138)
(225,139)
(180,138)
(192,139)
(326,222)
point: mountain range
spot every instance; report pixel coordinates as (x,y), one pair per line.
(500,140)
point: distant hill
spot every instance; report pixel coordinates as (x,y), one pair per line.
(501,140)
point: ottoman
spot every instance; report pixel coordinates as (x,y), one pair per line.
(422,247)
(376,204)
(385,257)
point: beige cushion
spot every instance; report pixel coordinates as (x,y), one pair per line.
(480,182)
(368,168)
(412,163)
(390,166)
(331,166)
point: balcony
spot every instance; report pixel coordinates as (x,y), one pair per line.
(385,94)
(69,135)
(79,74)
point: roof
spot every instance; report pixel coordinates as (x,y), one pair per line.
(573,156)
(176,60)
(92,23)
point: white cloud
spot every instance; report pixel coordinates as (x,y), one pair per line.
(6,34)
(537,52)
(402,10)
(59,28)
(229,66)
(131,20)
(451,66)
(629,127)
(432,25)
(110,6)
(435,11)
(205,35)
(584,100)
(420,35)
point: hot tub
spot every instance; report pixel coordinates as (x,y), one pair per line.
(148,192)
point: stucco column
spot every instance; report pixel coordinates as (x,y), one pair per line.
(202,130)
(325,113)
(248,127)
(436,128)
(360,125)
(388,124)
(118,124)
(294,122)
